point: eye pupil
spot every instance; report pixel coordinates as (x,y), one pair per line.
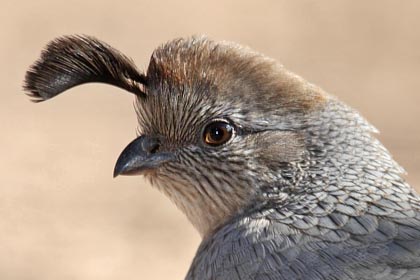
(217,133)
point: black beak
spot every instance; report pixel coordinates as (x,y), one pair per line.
(140,155)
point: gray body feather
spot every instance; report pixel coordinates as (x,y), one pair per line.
(353,218)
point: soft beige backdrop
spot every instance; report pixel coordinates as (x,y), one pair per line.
(63,216)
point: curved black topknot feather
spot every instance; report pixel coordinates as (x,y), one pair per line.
(73,60)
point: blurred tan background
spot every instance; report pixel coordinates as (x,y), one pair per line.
(62,214)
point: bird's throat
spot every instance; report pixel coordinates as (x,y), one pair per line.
(206,211)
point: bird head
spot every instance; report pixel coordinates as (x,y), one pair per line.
(218,122)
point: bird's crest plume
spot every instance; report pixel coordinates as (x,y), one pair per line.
(74,60)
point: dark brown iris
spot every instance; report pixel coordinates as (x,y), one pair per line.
(217,133)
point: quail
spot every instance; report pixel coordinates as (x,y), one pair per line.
(281,179)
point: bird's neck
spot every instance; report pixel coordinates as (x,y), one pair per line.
(205,214)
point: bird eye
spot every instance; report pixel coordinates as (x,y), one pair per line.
(217,133)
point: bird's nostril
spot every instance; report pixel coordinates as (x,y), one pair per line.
(154,148)
(150,144)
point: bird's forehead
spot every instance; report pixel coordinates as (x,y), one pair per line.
(226,72)
(189,64)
